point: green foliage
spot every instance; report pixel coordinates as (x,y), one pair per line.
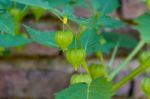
(7,23)
(68,11)
(126,41)
(45,38)
(143,26)
(8,40)
(99,88)
(90,37)
(93,42)
(105,6)
(90,40)
(5,4)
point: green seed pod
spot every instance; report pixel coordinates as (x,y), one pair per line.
(76,57)
(80,78)
(63,39)
(38,12)
(97,70)
(145,86)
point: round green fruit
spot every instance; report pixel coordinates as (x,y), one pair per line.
(145,86)
(97,70)
(80,78)
(76,57)
(63,39)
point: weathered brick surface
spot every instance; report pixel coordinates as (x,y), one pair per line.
(34,83)
(132,8)
(44,77)
(36,49)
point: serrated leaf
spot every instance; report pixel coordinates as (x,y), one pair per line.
(99,88)
(42,37)
(7,23)
(7,40)
(105,6)
(144,26)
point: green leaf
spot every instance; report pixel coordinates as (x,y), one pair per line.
(38,3)
(104,21)
(66,7)
(99,88)
(7,40)
(105,6)
(94,42)
(7,23)
(45,38)
(144,26)
(104,42)
(48,4)
(4,4)
(126,41)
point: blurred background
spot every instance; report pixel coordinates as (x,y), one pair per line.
(37,72)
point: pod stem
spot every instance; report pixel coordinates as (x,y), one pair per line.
(131,75)
(86,68)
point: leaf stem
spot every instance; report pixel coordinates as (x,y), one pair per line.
(131,75)
(101,58)
(129,58)
(70,28)
(114,54)
(86,68)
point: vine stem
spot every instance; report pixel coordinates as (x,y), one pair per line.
(86,68)
(129,58)
(131,75)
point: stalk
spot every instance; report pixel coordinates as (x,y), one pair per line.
(127,60)
(86,68)
(145,65)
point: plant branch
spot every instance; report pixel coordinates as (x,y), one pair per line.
(126,61)
(86,68)
(145,65)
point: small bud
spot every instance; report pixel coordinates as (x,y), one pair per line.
(65,20)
